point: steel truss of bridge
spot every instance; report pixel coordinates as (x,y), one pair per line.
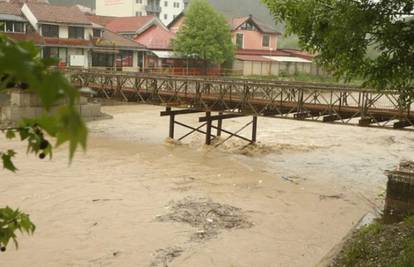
(235,97)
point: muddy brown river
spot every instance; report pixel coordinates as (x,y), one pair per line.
(135,199)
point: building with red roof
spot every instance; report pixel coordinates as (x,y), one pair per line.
(158,40)
(132,26)
(147,31)
(257,51)
(248,33)
(67,34)
(15,25)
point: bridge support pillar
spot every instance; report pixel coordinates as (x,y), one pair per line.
(254,129)
(172,126)
(172,114)
(208,131)
(207,121)
(399,201)
(219,125)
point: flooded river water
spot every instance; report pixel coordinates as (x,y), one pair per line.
(300,189)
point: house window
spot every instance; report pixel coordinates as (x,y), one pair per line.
(29,28)
(97,33)
(50,30)
(139,1)
(11,26)
(102,60)
(18,27)
(239,40)
(176,4)
(138,13)
(248,26)
(125,59)
(155,14)
(266,40)
(165,3)
(165,16)
(63,56)
(76,32)
(129,36)
(50,52)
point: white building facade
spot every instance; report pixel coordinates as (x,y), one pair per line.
(165,10)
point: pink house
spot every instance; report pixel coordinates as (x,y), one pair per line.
(250,34)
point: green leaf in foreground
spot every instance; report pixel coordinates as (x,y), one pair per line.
(21,66)
(6,157)
(12,221)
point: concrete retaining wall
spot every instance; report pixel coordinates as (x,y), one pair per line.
(22,104)
(4,99)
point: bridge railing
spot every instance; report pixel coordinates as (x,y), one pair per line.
(326,102)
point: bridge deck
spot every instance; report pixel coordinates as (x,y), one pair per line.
(292,100)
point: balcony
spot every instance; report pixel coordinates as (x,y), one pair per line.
(153,9)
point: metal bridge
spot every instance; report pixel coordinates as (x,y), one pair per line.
(232,97)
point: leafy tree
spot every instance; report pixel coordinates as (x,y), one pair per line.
(21,67)
(205,35)
(341,33)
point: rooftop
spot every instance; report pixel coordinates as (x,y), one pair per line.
(156,37)
(58,14)
(235,23)
(129,24)
(111,39)
(10,9)
(100,20)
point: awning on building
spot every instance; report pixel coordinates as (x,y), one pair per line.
(288,59)
(253,58)
(105,51)
(165,54)
(263,58)
(12,17)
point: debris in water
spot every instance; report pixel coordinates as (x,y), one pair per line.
(165,256)
(260,149)
(292,179)
(323,197)
(106,199)
(207,216)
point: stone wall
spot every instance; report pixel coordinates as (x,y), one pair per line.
(4,99)
(21,104)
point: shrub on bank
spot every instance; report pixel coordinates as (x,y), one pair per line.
(379,245)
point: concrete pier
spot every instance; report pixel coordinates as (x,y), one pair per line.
(399,201)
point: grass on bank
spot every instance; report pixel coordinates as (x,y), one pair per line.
(379,245)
